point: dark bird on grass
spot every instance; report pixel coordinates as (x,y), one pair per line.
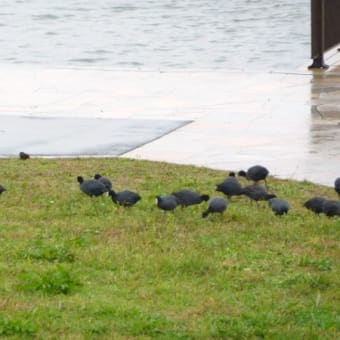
(106,181)
(125,198)
(278,206)
(331,208)
(24,155)
(255,173)
(91,187)
(167,202)
(315,204)
(257,192)
(2,189)
(216,205)
(230,186)
(337,186)
(187,197)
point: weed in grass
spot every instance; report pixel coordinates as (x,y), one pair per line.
(83,240)
(56,281)
(193,265)
(292,280)
(241,327)
(137,323)
(16,326)
(312,318)
(95,328)
(320,282)
(52,253)
(321,265)
(131,322)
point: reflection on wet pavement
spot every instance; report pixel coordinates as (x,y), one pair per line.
(79,137)
(286,122)
(289,123)
(324,133)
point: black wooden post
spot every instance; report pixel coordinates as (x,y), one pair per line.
(318,34)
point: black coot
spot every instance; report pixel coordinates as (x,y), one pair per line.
(187,197)
(230,186)
(278,206)
(167,202)
(255,173)
(91,187)
(106,181)
(216,205)
(126,198)
(315,204)
(257,192)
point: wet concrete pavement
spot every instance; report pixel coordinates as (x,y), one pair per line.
(287,122)
(58,137)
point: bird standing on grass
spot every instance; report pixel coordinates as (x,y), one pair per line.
(230,186)
(167,202)
(187,197)
(91,187)
(337,186)
(257,192)
(255,173)
(216,205)
(331,208)
(24,155)
(278,205)
(315,204)
(106,181)
(125,198)
(2,189)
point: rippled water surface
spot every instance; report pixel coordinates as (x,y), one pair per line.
(156,34)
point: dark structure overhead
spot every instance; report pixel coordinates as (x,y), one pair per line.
(325,29)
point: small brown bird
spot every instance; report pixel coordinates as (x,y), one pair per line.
(24,155)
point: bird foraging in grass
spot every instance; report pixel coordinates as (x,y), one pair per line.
(257,192)
(125,198)
(337,186)
(216,205)
(187,197)
(278,206)
(255,173)
(167,202)
(106,181)
(315,204)
(2,189)
(331,208)
(230,186)
(24,155)
(91,187)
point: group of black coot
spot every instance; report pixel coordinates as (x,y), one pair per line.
(100,185)
(230,187)
(323,205)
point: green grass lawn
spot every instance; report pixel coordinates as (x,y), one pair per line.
(75,267)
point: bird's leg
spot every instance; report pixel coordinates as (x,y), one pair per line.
(164,217)
(266,184)
(93,199)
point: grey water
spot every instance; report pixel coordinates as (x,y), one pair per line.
(156,34)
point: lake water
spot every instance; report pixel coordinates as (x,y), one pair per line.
(156,34)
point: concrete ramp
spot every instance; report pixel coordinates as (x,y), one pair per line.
(47,136)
